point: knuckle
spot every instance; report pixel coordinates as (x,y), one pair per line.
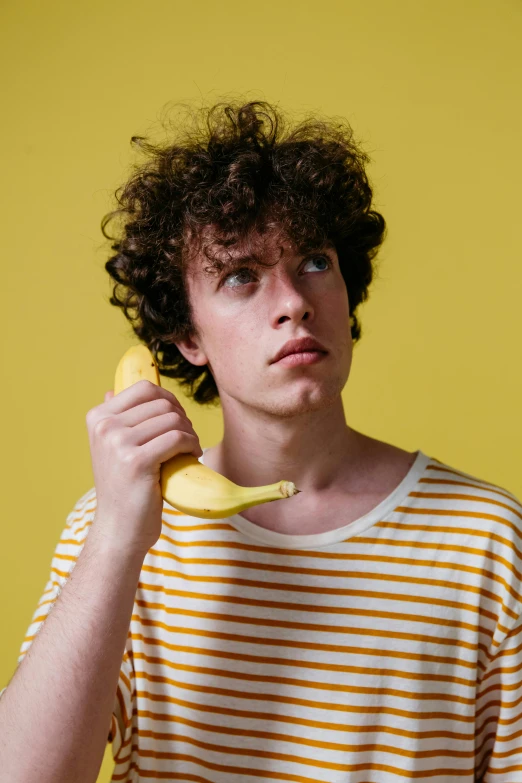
(145,388)
(101,427)
(173,418)
(165,405)
(130,457)
(116,438)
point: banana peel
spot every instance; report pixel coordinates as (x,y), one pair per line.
(187,484)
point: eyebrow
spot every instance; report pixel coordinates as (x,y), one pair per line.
(217,268)
(242,260)
(254,259)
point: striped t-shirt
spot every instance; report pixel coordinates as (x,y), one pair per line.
(389,649)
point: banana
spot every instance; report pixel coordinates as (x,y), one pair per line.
(186,484)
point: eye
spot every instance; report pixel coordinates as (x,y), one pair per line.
(324,258)
(236,274)
(319,258)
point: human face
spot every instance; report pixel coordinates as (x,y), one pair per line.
(244,317)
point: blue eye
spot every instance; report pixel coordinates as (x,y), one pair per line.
(321,258)
(235,274)
(326,259)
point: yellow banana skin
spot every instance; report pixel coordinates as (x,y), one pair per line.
(186,484)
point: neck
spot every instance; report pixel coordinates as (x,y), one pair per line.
(316,450)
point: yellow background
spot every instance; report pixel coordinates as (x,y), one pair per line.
(433,91)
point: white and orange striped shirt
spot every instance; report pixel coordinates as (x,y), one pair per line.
(389,649)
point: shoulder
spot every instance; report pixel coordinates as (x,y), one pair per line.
(490,506)
(469,483)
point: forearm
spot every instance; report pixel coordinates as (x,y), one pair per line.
(55,714)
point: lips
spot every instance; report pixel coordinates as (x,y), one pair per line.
(298,346)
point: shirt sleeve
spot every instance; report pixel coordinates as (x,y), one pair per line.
(498,712)
(64,558)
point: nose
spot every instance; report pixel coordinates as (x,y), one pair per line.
(290,301)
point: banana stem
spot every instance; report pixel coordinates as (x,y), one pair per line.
(280,489)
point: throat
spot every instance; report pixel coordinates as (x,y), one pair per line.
(353,497)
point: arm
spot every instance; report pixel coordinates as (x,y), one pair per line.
(56,712)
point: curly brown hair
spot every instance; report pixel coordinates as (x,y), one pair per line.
(239,172)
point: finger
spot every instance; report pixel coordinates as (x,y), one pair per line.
(151,428)
(141,391)
(151,410)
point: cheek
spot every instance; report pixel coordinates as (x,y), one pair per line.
(226,340)
(236,348)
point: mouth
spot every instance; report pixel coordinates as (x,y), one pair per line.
(306,344)
(301,358)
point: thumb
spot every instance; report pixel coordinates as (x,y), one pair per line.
(109,395)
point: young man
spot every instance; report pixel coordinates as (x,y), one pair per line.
(367,629)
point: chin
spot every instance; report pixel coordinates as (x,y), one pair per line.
(299,403)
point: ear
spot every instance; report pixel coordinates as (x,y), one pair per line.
(192,351)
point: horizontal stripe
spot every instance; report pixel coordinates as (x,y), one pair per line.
(327,609)
(305,742)
(276,737)
(309,627)
(356,575)
(277,567)
(291,644)
(323,610)
(430,714)
(296,663)
(278,717)
(309,684)
(311,763)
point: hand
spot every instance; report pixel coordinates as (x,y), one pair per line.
(130,436)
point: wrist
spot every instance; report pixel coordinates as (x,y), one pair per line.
(116,548)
